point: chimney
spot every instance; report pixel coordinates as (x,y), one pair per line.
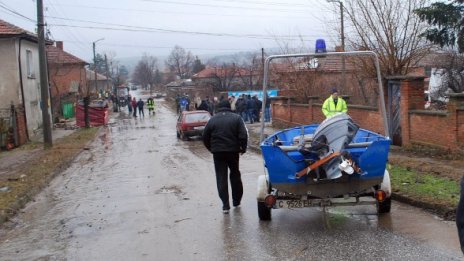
(59,44)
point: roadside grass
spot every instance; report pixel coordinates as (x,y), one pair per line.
(29,178)
(425,187)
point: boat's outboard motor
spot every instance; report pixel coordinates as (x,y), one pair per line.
(333,135)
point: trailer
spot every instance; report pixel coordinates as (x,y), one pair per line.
(333,163)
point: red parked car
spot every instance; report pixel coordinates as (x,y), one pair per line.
(191,123)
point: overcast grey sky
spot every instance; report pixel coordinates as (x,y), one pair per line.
(132,27)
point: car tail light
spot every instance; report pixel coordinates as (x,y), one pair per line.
(186,127)
(270,200)
(380,195)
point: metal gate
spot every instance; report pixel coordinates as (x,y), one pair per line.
(394,115)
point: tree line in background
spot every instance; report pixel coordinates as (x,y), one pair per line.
(401,33)
(107,65)
(182,64)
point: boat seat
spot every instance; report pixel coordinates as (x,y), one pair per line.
(306,137)
(289,148)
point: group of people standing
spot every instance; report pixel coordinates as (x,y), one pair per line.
(182,103)
(134,105)
(250,108)
(247,106)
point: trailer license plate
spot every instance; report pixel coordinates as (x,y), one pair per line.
(294,203)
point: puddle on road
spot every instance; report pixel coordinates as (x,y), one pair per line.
(169,190)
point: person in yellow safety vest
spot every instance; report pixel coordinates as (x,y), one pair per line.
(334,104)
(150,105)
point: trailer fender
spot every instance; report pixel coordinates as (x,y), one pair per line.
(262,188)
(386,185)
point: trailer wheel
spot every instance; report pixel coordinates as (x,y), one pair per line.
(264,212)
(384,206)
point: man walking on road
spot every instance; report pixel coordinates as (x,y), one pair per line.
(140,105)
(150,105)
(134,106)
(226,136)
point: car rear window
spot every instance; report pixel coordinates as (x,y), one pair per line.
(197,117)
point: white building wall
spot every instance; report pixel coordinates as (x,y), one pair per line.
(31,85)
(9,74)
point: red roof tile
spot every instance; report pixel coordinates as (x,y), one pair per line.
(211,72)
(57,56)
(91,76)
(7,29)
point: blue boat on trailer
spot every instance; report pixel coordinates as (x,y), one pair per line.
(329,164)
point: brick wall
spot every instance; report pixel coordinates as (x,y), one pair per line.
(425,127)
(460,114)
(443,129)
(61,78)
(291,114)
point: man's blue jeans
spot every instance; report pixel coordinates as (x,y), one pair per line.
(267,114)
(251,115)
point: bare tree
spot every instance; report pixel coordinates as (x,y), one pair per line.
(251,75)
(180,62)
(225,77)
(299,75)
(145,71)
(390,29)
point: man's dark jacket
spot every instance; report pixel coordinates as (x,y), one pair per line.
(225,132)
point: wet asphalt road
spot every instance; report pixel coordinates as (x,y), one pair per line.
(139,193)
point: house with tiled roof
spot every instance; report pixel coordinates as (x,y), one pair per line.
(20,97)
(67,77)
(100,86)
(227,78)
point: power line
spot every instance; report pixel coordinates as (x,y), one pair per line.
(161,47)
(144,29)
(263,3)
(4,6)
(69,32)
(171,12)
(150,29)
(183,32)
(223,6)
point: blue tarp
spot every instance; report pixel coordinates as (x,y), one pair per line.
(271,93)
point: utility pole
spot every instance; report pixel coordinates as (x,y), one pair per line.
(47,129)
(342,38)
(262,64)
(87,98)
(95,67)
(342,31)
(107,74)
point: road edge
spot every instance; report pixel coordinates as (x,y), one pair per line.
(20,203)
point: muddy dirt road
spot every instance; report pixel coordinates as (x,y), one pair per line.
(139,193)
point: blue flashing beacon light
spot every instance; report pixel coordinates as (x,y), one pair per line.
(320,46)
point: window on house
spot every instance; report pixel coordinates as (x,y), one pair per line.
(29,64)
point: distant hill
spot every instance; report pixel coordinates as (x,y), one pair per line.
(239,58)
(131,62)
